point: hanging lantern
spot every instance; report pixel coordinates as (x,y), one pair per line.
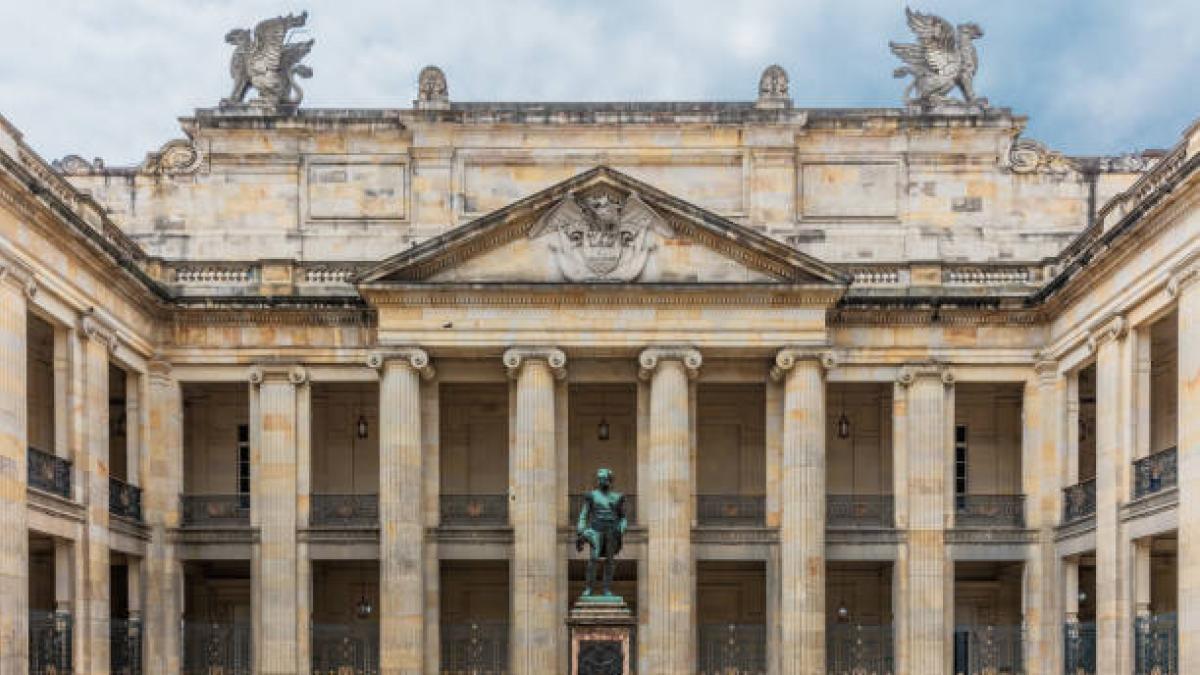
(843,426)
(363,608)
(361,427)
(602,430)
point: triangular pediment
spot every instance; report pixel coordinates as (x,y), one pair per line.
(602,227)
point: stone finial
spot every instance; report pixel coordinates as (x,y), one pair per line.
(416,358)
(432,91)
(773,88)
(650,357)
(265,60)
(942,59)
(517,357)
(73,165)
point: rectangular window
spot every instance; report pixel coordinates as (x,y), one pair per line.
(243,466)
(960,461)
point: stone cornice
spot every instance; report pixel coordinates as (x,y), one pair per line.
(787,358)
(909,374)
(855,316)
(414,357)
(268,316)
(516,357)
(294,374)
(615,295)
(650,357)
(1110,327)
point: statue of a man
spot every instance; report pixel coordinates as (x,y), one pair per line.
(602,525)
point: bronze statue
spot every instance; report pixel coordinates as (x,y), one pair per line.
(602,525)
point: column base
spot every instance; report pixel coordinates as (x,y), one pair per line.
(602,630)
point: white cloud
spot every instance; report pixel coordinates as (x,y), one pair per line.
(110,77)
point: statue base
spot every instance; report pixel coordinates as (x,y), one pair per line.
(602,629)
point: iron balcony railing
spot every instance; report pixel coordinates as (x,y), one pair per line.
(989,511)
(864,511)
(49,473)
(1079,648)
(125,647)
(743,510)
(476,510)
(733,649)
(124,500)
(1156,645)
(342,649)
(858,649)
(1155,472)
(1079,501)
(211,648)
(479,648)
(215,510)
(342,510)
(576,503)
(987,650)
(49,643)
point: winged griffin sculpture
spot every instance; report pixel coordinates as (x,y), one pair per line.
(265,60)
(943,58)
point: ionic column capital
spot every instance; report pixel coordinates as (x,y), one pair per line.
(788,357)
(95,327)
(1183,276)
(911,373)
(1046,371)
(414,357)
(516,357)
(650,357)
(1111,327)
(159,369)
(262,373)
(15,271)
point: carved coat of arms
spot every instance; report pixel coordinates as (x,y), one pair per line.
(601,237)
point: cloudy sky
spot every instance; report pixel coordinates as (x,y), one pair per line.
(109,78)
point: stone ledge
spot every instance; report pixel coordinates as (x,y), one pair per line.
(214,535)
(979,536)
(336,535)
(1075,528)
(1151,504)
(735,535)
(54,505)
(469,535)
(863,536)
(129,527)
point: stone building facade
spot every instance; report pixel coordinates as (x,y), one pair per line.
(890,390)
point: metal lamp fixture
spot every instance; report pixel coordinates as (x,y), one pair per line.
(363,608)
(843,421)
(602,430)
(361,427)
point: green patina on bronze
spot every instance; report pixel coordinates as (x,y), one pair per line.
(602,526)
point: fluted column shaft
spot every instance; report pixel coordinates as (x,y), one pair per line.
(160,503)
(667,509)
(1042,411)
(95,612)
(401,517)
(533,480)
(273,512)
(1113,599)
(14,539)
(926,573)
(1185,285)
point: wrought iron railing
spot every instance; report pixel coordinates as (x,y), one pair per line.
(49,473)
(865,511)
(1079,648)
(341,510)
(746,510)
(211,648)
(478,510)
(340,649)
(49,643)
(989,511)
(1156,645)
(988,650)
(479,648)
(857,649)
(1079,501)
(124,500)
(576,503)
(733,649)
(125,647)
(1155,472)
(215,510)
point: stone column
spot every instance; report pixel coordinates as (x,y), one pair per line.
(1141,577)
(1112,586)
(802,529)
(401,509)
(1185,287)
(1039,468)
(273,512)
(16,285)
(160,508)
(1070,567)
(93,616)
(533,479)
(666,506)
(926,574)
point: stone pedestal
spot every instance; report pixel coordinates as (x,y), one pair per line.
(602,632)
